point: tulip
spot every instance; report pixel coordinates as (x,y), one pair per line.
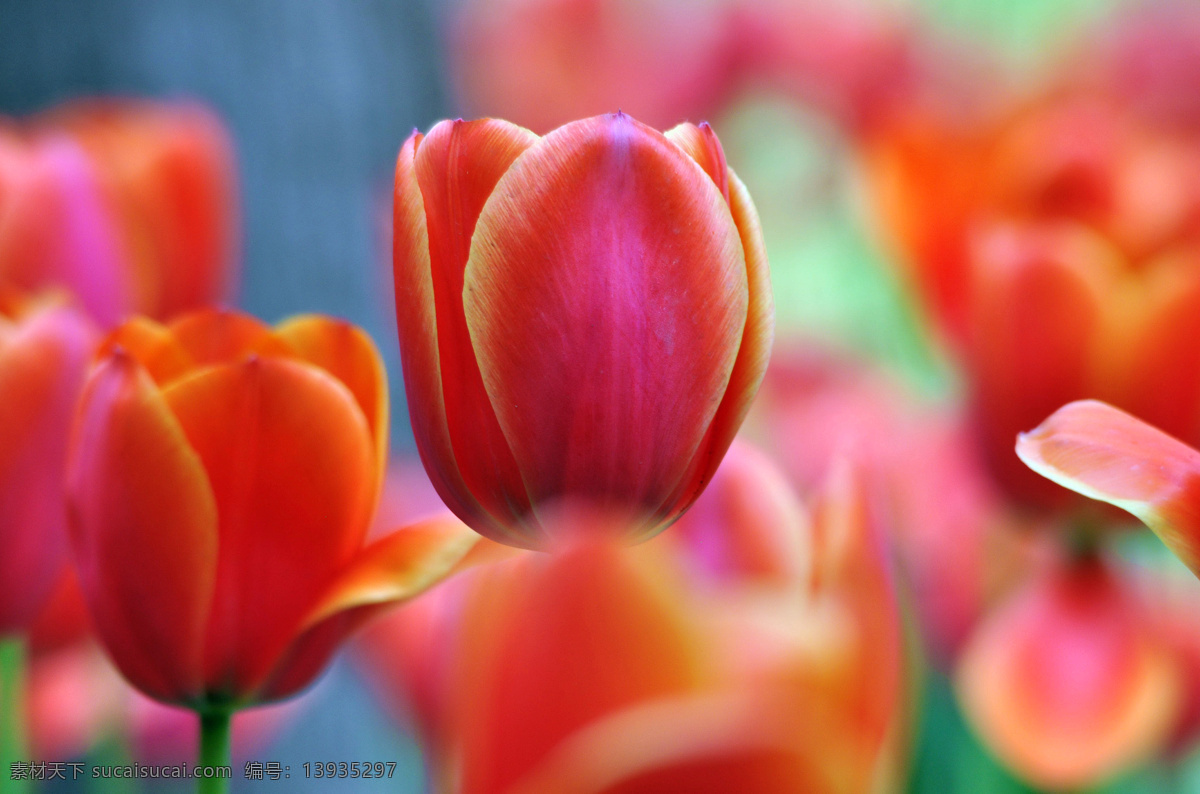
(1067,682)
(543,63)
(223,476)
(1056,244)
(44,351)
(639,703)
(167,174)
(56,230)
(584,318)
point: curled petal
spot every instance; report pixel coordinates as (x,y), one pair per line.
(1106,454)
(590,266)
(386,573)
(702,145)
(144,530)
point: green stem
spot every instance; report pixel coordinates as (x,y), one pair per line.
(214,749)
(12,712)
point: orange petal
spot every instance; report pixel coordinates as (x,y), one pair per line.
(1106,454)
(702,145)
(712,743)
(750,367)
(43,360)
(591,262)
(1035,313)
(1065,683)
(417,318)
(292,468)
(388,572)
(154,347)
(593,625)
(346,352)
(144,531)
(217,336)
(398,566)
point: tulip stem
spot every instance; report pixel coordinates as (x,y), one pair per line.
(12,711)
(214,751)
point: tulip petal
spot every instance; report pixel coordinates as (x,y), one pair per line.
(398,566)
(346,352)
(593,625)
(388,572)
(292,468)
(1036,307)
(43,360)
(215,336)
(591,267)
(144,531)
(427,304)
(751,364)
(703,146)
(458,165)
(1106,454)
(717,743)
(154,347)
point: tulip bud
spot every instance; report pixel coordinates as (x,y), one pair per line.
(583,317)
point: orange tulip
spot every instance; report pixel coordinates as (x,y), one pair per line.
(44,351)
(584,671)
(1068,682)
(548,292)
(1058,245)
(223,476)
(726,650)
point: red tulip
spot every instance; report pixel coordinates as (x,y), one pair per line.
(56,230)
(544,63)
(223,477)
(44,351)
(583,317)
(168,175)
(1068,682)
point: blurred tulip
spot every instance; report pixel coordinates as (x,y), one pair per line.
(130,206)
(1067,682)
(583,671)
(168,175)
(1106,454)
(44,350)
(606,240)
(223,477)
(958,547)
(1058,244)
(543,63)
(856,60)
(55,228)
